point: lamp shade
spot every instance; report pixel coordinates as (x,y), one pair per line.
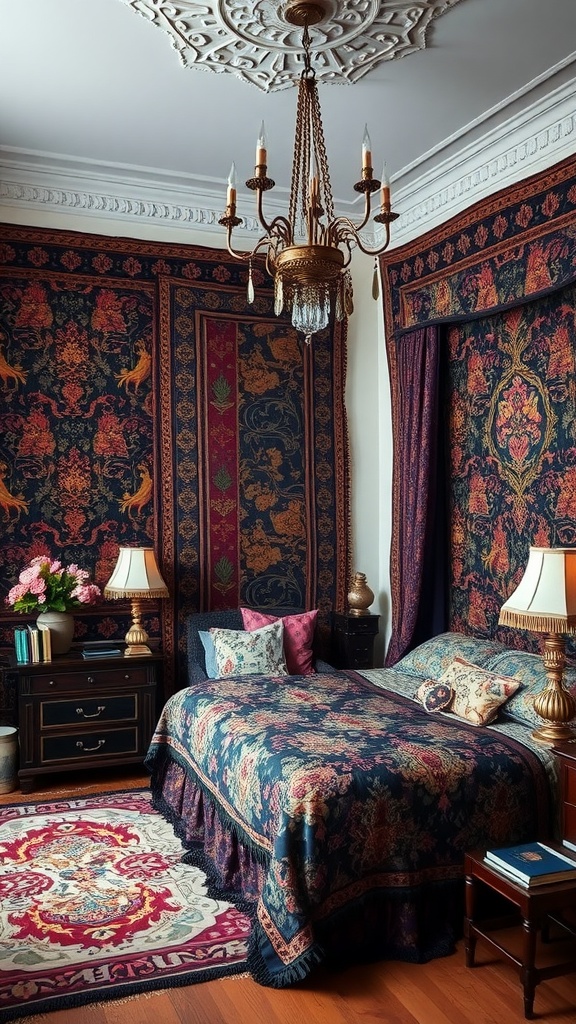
(545,599)
(136,574)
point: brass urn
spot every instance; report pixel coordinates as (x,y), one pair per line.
(360,597)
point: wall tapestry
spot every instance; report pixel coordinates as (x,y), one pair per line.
(146,403)
(488,301)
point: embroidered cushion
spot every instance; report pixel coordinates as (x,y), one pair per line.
(529,670)
(478,694)
(436,696)
(298,637)
(433,657)
(242,653)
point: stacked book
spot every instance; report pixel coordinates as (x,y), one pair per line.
(532,864)
(33,643)
(100,649)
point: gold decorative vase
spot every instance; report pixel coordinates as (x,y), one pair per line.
(360,597)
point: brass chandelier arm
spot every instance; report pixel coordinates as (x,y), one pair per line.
(347,232)
(245,256)
(279,225)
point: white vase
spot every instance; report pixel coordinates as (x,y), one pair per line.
(8,758)
(61,626)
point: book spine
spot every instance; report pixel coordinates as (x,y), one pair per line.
(46,639)
(35,643)
(18,645)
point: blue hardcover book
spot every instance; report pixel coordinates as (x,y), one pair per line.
(533,863)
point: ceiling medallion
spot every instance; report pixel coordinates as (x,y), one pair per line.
(260,40)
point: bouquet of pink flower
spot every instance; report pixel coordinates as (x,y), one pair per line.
(47,586)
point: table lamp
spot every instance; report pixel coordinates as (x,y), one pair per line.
(136,576)
(545,602)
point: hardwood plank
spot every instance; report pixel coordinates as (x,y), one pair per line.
(444,991)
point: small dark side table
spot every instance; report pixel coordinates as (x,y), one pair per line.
(354,637)
(537,906)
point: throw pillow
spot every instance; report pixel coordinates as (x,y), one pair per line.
(436,696)
(242,653)
(529,670)
(478,694)
(298,637)
(209,653)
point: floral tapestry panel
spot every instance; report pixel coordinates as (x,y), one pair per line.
(512,444)
(518,243)
(259,462)
(76,431)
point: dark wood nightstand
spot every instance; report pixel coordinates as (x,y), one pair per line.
(354,637)
(74,713)
(536,906)
(566,755)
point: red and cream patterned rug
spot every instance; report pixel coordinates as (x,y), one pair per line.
(95,903)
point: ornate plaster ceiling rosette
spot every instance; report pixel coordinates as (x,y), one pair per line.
(254,39)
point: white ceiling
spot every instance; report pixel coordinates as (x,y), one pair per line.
(93,81)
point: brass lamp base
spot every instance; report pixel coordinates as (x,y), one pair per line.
(136,636)
(554,704)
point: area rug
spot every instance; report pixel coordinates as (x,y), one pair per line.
(95,904)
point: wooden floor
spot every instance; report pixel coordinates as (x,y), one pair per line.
(442,992)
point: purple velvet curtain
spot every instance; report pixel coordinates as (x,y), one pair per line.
(414,361)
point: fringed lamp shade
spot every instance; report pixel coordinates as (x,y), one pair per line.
(136,576)
(545,602)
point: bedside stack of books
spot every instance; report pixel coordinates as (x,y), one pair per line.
(100,649)
(32,643)
(532,864)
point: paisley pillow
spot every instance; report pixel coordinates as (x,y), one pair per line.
(298,637)
(243,653)
(433,657)
(529,670)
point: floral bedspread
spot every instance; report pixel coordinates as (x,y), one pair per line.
(357,804)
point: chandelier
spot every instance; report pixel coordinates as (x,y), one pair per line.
(309,252)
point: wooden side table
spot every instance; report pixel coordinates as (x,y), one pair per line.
(74,713)
(354,637)
(536,906)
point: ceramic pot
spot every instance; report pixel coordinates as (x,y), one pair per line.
(360,596)
(61,626)
(8,758)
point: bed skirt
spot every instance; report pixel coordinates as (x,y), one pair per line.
(414,924)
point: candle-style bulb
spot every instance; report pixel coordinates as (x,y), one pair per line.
(261,154)
(366,149)
(231,193)
(385,186)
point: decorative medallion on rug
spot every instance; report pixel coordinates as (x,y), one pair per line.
(95,904)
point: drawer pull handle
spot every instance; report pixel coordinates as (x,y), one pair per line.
(82,713)
(91,679)
(88,750)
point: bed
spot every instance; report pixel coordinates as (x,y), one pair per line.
(336,809)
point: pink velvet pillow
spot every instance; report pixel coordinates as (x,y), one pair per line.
(298,637)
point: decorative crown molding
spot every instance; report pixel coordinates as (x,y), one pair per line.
(540,136)
(253,39)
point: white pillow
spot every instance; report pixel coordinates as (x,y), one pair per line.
(257,652)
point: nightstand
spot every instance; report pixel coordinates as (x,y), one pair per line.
(74,713)
(537,907)
(354,637)
(566,755)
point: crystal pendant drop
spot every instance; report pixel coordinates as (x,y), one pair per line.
(375,281)
(311,308)
(278,295)
(250,294)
